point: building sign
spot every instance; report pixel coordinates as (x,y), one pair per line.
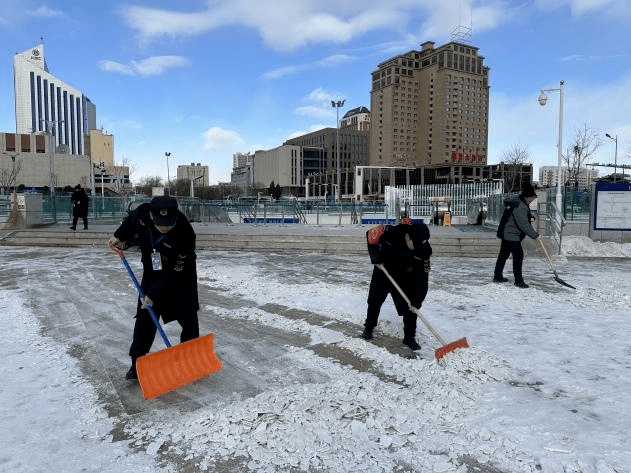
(612,206)
(470,157)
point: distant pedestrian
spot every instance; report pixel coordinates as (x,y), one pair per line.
(513,228)
(79,201)
(169,279)
(404,251)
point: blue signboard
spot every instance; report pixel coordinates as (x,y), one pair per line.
(612,206)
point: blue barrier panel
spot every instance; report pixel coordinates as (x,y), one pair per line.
(270,220)
(386,221)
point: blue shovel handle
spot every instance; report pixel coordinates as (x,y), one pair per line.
(142,295)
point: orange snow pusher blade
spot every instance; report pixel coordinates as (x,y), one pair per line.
(168,369)
(442,351)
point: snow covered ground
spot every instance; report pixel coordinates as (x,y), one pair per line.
(544,386)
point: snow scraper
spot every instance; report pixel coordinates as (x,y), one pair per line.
(556,276)
(446,347)
(168,369)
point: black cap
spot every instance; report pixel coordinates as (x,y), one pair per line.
(164,210)
(419,233)
(528,191)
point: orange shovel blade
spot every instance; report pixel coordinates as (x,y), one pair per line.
(442,351)
(168,369)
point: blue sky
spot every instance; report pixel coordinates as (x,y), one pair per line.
(205,79)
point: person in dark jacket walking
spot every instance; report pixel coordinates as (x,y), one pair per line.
(169,281)
(516,227)
(405,253)
(79,200)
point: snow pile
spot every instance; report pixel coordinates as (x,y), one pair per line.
(51,415)
(584,246)
(353,422)
(543,387)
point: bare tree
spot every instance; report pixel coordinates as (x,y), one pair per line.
(148,183)
(121,173)
(580,152)
(8,177)
(514,159)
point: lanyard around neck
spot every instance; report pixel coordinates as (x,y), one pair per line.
(154,244)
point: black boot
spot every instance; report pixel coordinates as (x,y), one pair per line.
(367,334)
(73,228)
(132,374)
(411,343)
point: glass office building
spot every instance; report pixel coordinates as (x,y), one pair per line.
(44,103)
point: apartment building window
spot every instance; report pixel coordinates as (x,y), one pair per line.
(25,143)
(40,144)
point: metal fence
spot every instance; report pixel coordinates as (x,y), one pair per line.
(421,200)
(465,200)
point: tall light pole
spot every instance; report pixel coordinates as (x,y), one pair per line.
(337,105)
(102,169)
(615,163)
(543,98)
(168,175)
(50,130)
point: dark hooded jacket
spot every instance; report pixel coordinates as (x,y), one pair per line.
(79,201)
(403,264)
(173,289)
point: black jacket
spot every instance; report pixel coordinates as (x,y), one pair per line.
(404,265)
(79,201)
(173,289)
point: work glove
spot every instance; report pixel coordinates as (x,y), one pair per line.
(146,302)
(116,243)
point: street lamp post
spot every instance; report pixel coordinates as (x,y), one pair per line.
(615,163)
(543,98)
(102,169)
(337,105)
(168,175)
(51,126)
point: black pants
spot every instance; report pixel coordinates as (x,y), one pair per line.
(145,330)
(76,219)
(506,249)
(380,286)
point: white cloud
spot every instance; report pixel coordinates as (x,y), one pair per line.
(221,138)
(287,25)
(582,7)
(314,111)
(318,104)
(150,66)
(325,63)
(45,12)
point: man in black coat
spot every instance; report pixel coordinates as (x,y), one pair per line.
(169,280)
(79,201)
(405,253)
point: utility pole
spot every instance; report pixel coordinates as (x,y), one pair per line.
(337,105)
(168,175)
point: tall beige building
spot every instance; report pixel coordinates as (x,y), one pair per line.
(429,108)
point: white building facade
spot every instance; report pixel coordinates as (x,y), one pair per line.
(281,165)
(196,173)
(45,103)
(548,176)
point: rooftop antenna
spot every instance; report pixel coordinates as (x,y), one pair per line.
(462,34)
